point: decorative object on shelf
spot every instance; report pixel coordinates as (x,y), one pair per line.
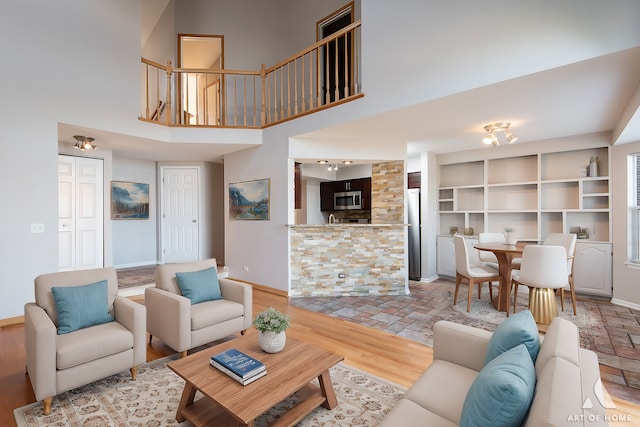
(84,143)
(453,229)
(492,137)
(594,166)
(271,325)
(468,231)
(509,236)
(583,233)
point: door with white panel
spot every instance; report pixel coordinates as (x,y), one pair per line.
(80,213)
(180,215)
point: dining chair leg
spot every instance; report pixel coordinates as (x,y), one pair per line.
(455,294)
(491,291)
(515,296)
(562,299)
(470,294)
(573,296)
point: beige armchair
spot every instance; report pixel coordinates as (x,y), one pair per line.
(181,325)
(60,362)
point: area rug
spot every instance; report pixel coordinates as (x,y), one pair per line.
(152,400)
(136,276)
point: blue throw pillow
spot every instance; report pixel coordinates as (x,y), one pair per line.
(200,286)
(517,329)
(502,392)
(81,306)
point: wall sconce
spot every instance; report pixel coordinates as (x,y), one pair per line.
(84,143)
(492,129)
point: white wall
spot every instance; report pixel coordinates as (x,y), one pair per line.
(135,241)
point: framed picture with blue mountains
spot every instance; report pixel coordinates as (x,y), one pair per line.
(129,200)
(249,199)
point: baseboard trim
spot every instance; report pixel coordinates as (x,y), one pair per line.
(624,303)
(264,288)
(18,320)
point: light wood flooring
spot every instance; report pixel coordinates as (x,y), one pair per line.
(382,354)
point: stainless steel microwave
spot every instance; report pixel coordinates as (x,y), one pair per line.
(347,200)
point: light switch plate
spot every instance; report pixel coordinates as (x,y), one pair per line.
(37,228)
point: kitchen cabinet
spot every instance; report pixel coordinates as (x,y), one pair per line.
(592,268)
(446,254)
(328,188)
(326,196)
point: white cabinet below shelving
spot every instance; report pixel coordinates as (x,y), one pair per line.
(592,269)
(447,254)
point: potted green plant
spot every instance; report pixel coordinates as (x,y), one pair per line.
(271,325)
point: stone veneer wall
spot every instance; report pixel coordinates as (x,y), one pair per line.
(372,257)
(387,193)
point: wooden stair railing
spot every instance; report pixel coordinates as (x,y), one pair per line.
(321,76)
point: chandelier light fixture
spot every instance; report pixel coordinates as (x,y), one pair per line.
(492,130)
(84,143)
(332,166)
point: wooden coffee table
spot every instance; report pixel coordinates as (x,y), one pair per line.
(228,403)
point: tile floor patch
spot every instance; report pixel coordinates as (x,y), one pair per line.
(635,340)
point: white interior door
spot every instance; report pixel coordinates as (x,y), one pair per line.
(180,215)
(80,213)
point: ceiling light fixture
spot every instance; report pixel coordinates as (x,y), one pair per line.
(492,137)
(84,142)
(333,167)
(322,162)
(347,162)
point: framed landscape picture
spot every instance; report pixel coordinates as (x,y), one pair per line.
(249,200)
(129,200)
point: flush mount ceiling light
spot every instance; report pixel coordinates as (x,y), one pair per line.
(492,130)
(84,142)
(322,162)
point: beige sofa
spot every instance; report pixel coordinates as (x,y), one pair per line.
(61,362)
(568,391)
(181,325)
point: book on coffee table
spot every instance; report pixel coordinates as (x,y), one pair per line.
(238,365)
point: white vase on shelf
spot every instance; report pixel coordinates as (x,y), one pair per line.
(510,238)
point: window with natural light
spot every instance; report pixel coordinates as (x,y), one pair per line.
(634,208)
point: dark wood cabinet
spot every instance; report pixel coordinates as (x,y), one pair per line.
(328,188)
(413,179)
(326,196)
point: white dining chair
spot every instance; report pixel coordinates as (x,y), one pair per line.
(543,270)
(473,273)
(568,240)
(489,258)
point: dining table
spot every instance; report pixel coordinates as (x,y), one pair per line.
(505,255)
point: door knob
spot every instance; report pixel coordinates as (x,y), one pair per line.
(193,220)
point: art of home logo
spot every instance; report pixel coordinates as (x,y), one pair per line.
(598,391)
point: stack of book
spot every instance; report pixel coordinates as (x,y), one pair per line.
(239,366)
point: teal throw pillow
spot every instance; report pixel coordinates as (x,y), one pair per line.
(81,306)
(517,329)
(200,286)
(502,392)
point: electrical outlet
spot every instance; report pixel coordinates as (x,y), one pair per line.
(37,228)
(341,275)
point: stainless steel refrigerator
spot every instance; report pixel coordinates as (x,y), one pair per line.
(413,216)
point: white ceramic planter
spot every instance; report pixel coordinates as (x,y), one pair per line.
(511,239)
(272,342)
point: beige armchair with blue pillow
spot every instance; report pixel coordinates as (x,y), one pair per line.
(191,306)
(79,331)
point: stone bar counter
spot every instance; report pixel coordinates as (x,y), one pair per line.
(348,259)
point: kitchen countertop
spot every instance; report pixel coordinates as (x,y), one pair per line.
(344,224)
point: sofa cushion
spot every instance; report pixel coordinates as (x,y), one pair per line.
(502,392)
(518,329)
(81,306)
(408,413)
(446,402)
(213,312)
(561,340)
(199,286)
(558,394)
(92,343)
